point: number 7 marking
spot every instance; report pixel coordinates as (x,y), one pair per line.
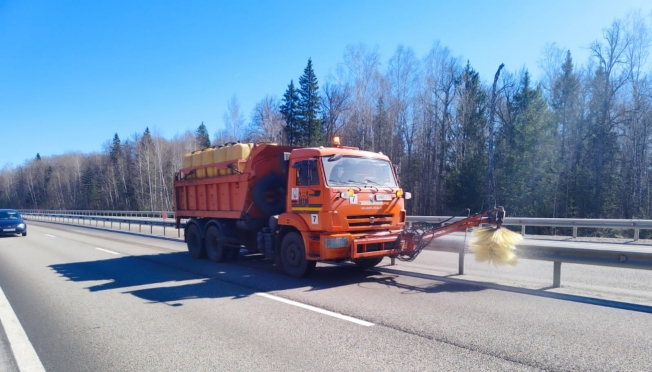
(314,219)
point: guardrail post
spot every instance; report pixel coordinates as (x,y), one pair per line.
(636,231)
(523,230)
(151,230)
(460,266)
(574,231)
(556,275)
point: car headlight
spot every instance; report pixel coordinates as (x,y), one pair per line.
(332,243)
(21,225)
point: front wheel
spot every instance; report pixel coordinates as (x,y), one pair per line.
(293,256)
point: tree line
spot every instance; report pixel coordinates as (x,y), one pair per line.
(575,144)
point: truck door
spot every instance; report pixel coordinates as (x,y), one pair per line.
(306,192)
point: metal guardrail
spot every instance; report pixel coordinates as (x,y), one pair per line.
(623,258)
(69,218)
(82,212)
(619,257)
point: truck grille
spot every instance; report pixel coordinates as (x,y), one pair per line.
(366,220)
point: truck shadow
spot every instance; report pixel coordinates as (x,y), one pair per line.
(174,277)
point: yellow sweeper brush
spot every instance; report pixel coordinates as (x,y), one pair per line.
(495,245)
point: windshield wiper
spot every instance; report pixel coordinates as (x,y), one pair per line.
(374,182)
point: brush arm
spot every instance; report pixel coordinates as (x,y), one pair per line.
(416,239)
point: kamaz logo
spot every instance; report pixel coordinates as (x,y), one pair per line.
(371,220)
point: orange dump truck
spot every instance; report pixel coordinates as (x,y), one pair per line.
(293,205)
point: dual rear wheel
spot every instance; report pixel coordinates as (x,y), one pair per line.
(216,249)
(212,245)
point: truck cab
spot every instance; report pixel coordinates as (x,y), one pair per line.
(342,204)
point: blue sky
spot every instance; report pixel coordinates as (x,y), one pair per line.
(74,73)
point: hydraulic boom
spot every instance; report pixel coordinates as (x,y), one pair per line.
(417,238)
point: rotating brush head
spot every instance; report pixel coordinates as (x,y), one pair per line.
(495,246)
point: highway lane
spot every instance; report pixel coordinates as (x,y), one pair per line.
(106,301)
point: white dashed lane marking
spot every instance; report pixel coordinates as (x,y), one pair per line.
(106,250)
(316,309)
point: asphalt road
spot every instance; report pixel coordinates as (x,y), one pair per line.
(95,300)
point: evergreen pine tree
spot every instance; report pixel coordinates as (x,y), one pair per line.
(309,107)
(290,110)
(116,149)
(468,162)
(203,140)
(524,152)
(564,103)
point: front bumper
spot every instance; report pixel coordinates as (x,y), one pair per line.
(357,246)
(12,230)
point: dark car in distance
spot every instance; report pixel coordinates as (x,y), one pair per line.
(11,223)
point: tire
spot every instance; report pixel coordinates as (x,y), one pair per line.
(24,234)
(215,246)
(269,195)
(194,242)
(368,263)
(293,256)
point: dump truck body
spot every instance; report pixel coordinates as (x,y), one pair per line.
(295,205)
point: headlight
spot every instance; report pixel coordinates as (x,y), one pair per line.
(21,225)
(347,194)
(332,243)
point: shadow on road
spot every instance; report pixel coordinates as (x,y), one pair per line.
(173,277)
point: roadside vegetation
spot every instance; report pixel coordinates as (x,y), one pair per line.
(576,143)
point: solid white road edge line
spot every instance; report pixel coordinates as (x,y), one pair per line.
(106,250)
(316,309)
(51,236)
(22,349)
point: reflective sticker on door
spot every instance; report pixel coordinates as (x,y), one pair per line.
(295,193)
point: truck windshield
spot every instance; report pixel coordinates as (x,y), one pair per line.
(354,171)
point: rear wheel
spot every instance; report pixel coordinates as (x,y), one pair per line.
(194,241)
(215,246)
(367,263)
(293,256)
